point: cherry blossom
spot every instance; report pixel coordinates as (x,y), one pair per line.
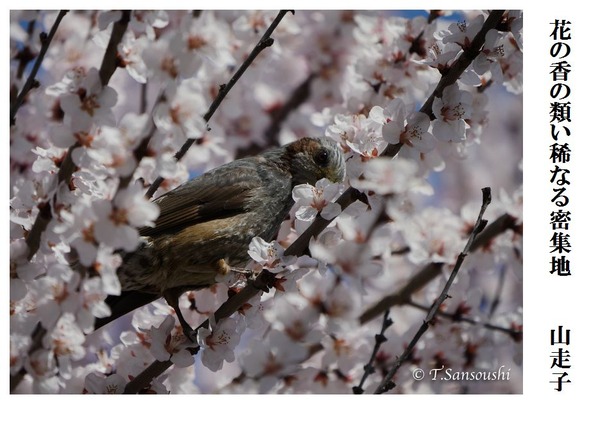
(166,346)
(320,198)
(112,384)
(414,133)
(392,176)
(131,50)
(218,346)
(182,115)
(462,33)
(268,254)
(83,153)
(451,111)
(89,103)
(118,220)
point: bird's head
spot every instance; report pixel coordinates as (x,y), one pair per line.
(312,159)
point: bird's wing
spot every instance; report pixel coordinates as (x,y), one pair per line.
(219,193)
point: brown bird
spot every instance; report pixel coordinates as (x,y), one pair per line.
(205,225)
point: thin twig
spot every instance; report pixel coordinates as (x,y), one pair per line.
(26,54)
(379,340)
(387,383)
(515,334)
(143,97)
(36,66)
(264,42)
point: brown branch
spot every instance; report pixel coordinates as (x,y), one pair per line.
(387,383)
(142,380)
(26,54)
(515,334)
(458,67)
(110,61)
(30,83)
(264,42)
(68,167)
(379,340)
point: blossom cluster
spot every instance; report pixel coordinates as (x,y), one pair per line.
(84,150)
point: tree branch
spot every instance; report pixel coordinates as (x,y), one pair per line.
(110,61)
(387,383)
(29,84)
(68,167)
(515,334)
(458,67)
(379,340)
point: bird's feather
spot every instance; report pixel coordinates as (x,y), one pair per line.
(208,197)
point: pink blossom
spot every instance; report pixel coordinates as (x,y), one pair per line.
(89,103)
(183,113)
(168,346)
(111,384)
(117,222)
(268,254)
(319,198)
(414,133)
(219,345)
(451,112)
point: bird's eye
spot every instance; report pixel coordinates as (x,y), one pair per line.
(322,157)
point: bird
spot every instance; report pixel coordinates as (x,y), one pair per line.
(205,225)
